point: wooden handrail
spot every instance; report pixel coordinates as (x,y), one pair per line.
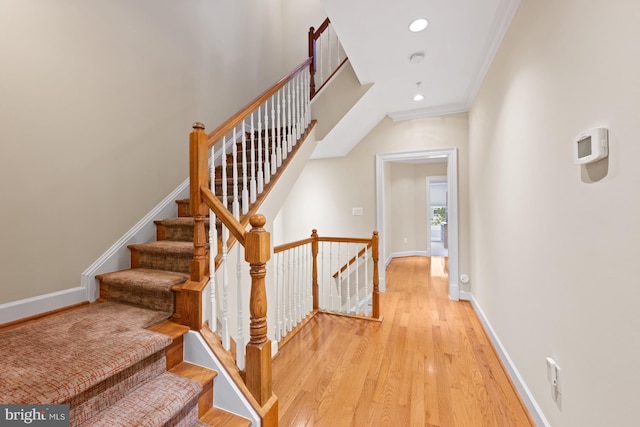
(223,214)
(232,122)
(287,246)
(352,260)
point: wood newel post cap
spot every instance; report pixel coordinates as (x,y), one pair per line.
(314,233)
(375,233)
(198,126)
(257,221)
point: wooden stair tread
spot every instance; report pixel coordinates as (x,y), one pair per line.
(169,328)
(194,372)
(220,418)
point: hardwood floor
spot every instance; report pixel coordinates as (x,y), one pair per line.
(429,363)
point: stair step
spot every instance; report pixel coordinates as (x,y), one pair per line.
(220,418)
(175,351)
(168,399)
(162,255)
(202,375)
(142,287)
(178,229)
(48,362)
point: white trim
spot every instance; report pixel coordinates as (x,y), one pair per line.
(118,257)
(407,253)
(451,156)
(518,381)
(421,113)
(501,22)
(227,396)
(41,304)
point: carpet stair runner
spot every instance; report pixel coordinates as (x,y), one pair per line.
(119,362)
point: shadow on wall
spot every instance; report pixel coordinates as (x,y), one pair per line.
(594,172)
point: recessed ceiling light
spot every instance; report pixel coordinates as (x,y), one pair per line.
(417,57)
(418,97)
(418,25)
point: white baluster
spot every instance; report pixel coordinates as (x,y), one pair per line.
(291,292)
(260,170)
(298,284)
(294,112)
(320,74)
(276,263)
(275,122)
(267,164)
(348,278)
(330,49)
(366,273)
(253,188)
(357,277)
(224,172)
(245,189)
(213,250)
(298,108)
(290,122)
(235,206)
(339,280)
(240,348)
(282,124)
(226,339)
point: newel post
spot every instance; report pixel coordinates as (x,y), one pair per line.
(314,273)
(258,358)
(375,298)
(198,176)
(312,66)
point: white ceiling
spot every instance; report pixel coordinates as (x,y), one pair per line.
(458,45)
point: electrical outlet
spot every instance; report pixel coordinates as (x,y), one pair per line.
(356,211)
(554,378)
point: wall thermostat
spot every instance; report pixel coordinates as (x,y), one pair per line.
(590,146)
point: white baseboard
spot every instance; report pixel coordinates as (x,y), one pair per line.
(512,371)
(42,303)
(117,257)
(408,253)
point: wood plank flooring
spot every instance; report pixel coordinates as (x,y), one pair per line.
(429,363)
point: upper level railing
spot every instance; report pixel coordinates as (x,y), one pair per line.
(327,53)
(330,274)
(231,171)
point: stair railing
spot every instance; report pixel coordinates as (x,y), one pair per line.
(336,275)
(256,242)
(327,53)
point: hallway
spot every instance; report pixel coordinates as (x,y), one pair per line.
(429,363)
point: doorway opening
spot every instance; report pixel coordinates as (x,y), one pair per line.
(437,216)
(450,155)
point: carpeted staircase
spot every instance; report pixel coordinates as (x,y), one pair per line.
(119,362)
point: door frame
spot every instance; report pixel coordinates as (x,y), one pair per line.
(431,179)
(451,157)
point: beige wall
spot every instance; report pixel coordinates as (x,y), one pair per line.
(408,205)
(328,189)
(96,103)
(554,253)
(297,17)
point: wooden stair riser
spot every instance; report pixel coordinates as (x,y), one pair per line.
(202,375)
